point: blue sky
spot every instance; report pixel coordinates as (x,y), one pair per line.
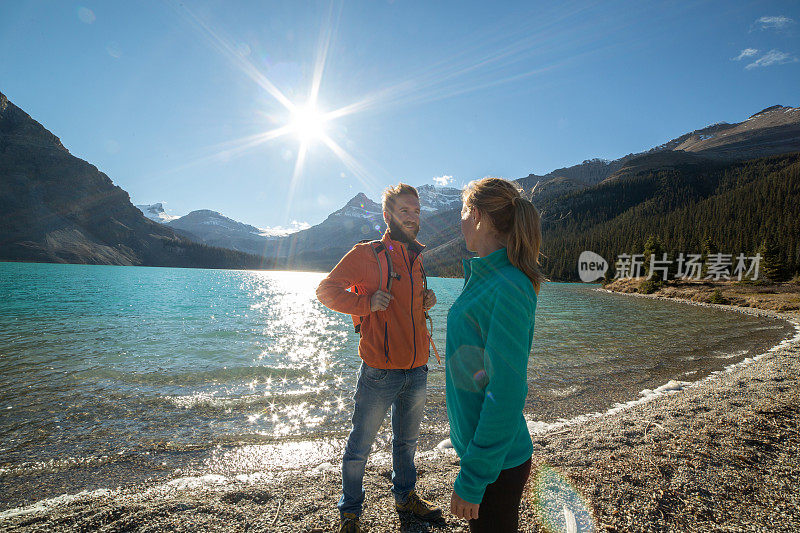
(171,99)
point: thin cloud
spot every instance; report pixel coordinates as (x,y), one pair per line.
(774,23)
(773,57)
(443,181)
(747,52)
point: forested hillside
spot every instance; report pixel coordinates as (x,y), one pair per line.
(687,203)
(699,207)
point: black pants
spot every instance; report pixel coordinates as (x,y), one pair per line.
(499,510)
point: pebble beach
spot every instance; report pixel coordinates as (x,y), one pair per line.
(719,454)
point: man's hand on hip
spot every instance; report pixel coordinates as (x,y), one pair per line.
(379,301)
(429,300)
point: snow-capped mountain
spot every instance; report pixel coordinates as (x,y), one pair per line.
(321,246)
(205,218)
(360,207)
(155,212)
(215,229)
(432,198)
(435,198)
(361,218)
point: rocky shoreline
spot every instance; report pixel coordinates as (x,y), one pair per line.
(723,454)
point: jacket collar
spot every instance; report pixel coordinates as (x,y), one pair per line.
(482,266)
(415,246)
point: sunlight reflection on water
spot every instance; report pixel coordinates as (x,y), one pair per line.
(285,455)
(303,335)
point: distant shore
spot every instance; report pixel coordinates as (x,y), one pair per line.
(769,296)
(723,454)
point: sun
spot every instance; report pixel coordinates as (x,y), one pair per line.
(308,123)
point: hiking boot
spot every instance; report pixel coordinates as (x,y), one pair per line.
(350,524)
(422,509)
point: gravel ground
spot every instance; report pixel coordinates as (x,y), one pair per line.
(723,454)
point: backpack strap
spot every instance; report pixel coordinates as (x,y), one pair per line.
(377,248)
(428,317)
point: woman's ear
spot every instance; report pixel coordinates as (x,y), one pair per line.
(476,215)
(477,218)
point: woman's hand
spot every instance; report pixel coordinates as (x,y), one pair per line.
(463,509)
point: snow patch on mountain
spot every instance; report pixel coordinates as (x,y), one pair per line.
(356,212)
(282,231)
(156,212)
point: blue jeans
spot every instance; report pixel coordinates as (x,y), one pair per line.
(376,391)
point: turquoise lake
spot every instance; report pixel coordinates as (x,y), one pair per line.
(116,375)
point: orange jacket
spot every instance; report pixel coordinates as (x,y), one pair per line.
(397,337)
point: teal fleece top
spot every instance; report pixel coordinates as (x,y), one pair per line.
(489,337)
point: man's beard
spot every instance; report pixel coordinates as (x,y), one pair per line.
(401,233)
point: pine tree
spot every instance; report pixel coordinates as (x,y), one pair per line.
(709,248)
(653,247)
(772,264)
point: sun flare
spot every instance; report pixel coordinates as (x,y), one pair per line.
(308,123)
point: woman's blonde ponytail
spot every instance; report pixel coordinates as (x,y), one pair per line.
(525,239)
(515,219)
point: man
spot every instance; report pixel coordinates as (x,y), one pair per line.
(394,348)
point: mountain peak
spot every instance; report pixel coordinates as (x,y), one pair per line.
(359,200)
(206,218)
(23,131)
(768,110)
(155,212)
(208,213)
(359,206)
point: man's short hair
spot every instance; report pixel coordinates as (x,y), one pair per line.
(390,194)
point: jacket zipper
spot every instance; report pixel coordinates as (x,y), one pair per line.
(413,326)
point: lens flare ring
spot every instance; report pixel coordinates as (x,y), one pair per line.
(559,505)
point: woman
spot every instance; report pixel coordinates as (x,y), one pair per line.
(489,336)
